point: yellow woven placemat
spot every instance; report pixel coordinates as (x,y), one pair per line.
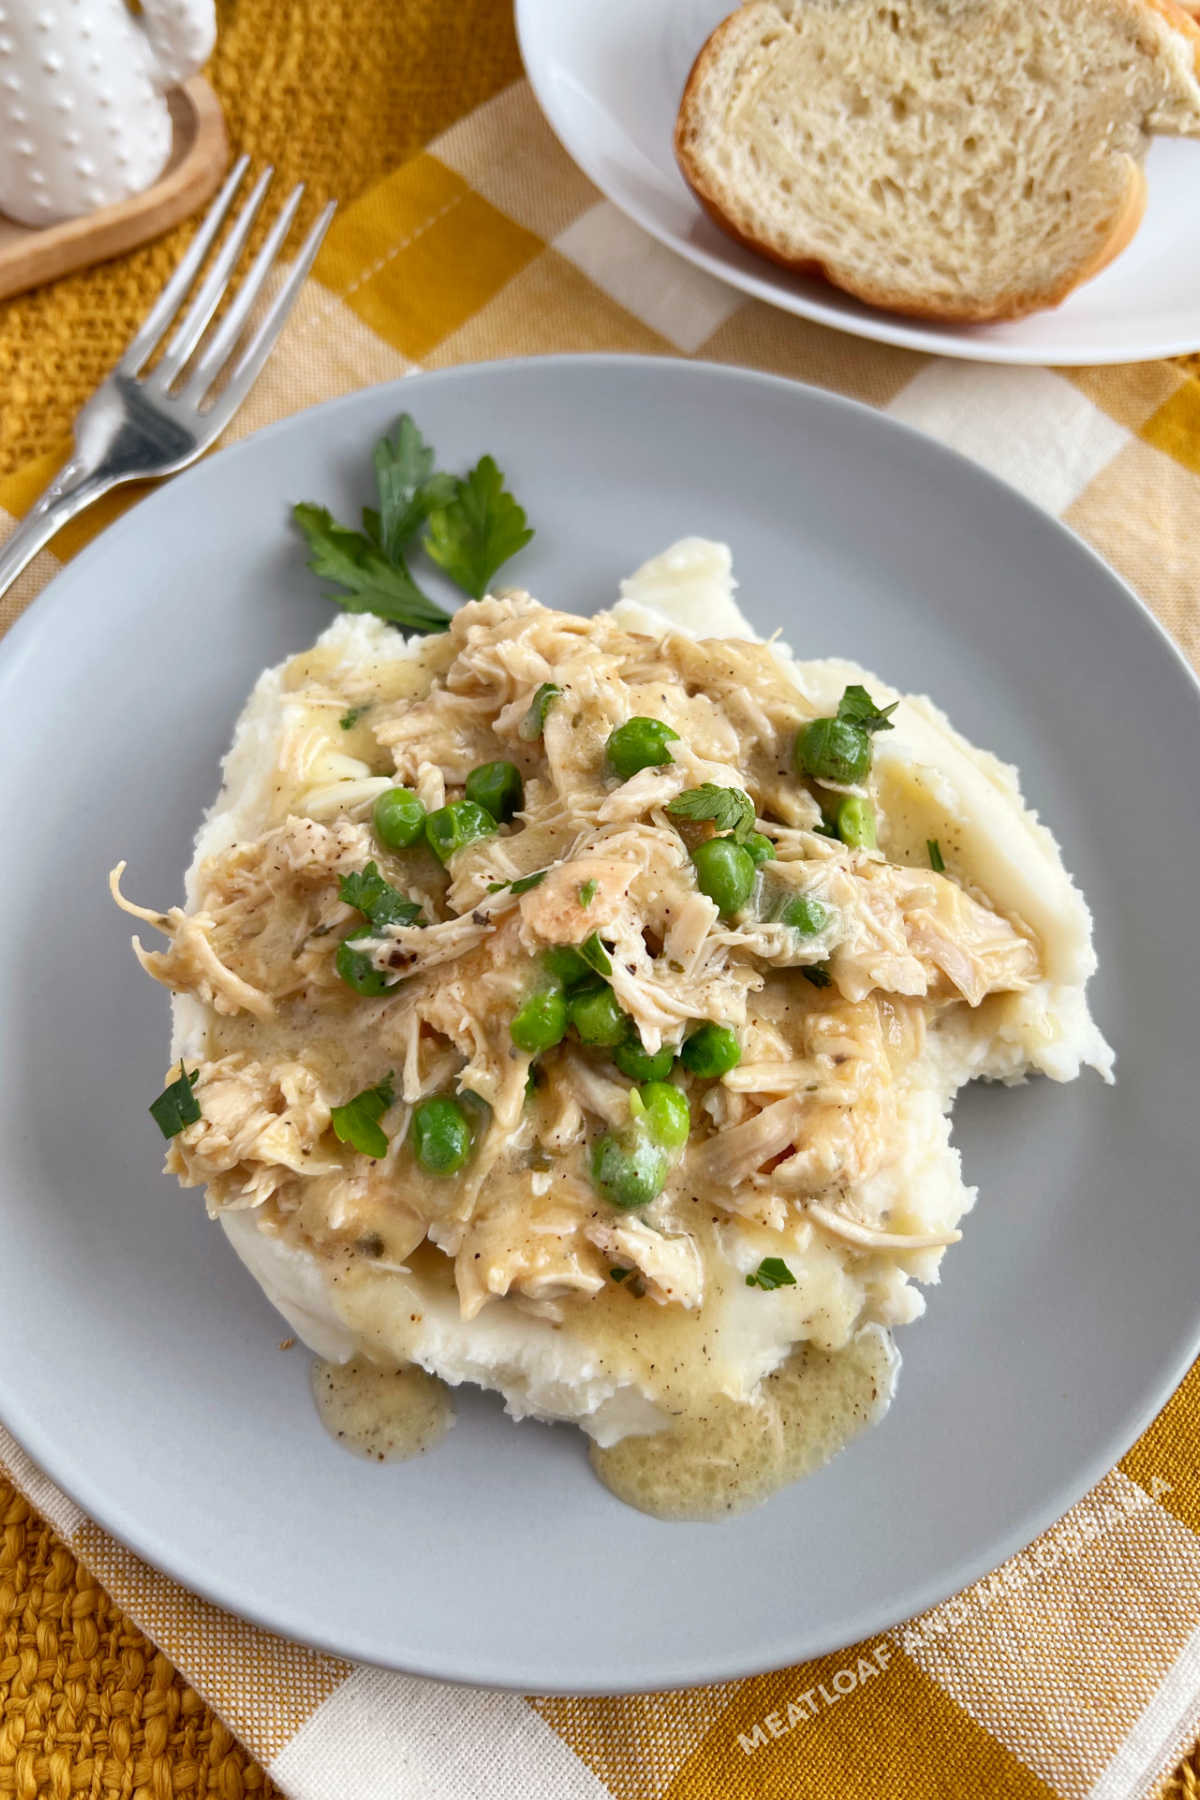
(341,93)
(87,1706)
(335,93)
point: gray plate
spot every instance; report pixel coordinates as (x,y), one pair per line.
(138,1363)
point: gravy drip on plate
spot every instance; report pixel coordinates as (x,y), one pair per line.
(731,1456)
(385,1415)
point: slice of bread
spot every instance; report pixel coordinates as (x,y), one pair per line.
(955,159)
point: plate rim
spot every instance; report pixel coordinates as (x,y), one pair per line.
(283,1619)
(873,324)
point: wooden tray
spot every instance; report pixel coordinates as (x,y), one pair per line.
(31,254)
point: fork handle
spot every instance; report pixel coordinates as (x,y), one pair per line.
(72,489)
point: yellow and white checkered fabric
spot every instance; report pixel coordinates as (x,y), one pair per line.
(1072,1671)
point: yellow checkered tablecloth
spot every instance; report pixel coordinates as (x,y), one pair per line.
(1075,1669)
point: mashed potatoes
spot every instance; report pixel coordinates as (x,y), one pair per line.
(562,1192)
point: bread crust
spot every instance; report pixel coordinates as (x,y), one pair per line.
(1181,16)
(1017,305)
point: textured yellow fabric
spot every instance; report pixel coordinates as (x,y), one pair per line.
(488,244)
(335,93)
(87,1706)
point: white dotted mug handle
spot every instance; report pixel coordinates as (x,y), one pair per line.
(83,118)
(180,35)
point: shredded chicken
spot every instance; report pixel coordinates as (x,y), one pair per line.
(870,1237)
(528,1245)
(671,1268)
(831,1026)
(257,1128)
(191,965)
(557,912)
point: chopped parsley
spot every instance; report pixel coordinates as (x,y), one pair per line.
(533,1080)
(936,860)
(473,526)
(379,902)
(772,1272)
(350,719)
(595,955)
(620,1274)
(856,707)
(729,808)
(177,1106)
(357,1123)
(477,529)
(587,892)
(820,978)
(534,722)
(521,885)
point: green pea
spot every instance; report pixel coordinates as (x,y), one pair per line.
(452,827)
(639,743)
(855,823)
(566,965)
(357,970)
(629,1173)
(663,1113)
(804,914)
(540,1021)
(761,849)
(441,1137)
(498,788)
(598,1017)
(833,750)
(725,872)
(399,819)
(711,1052)
(636,1062)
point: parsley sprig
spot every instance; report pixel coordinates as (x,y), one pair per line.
(729,808)
(408,488)
(477,529)
(357,1123)
(472,525)
(370,581)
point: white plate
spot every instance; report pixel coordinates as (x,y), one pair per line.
(609,75)
(138,1362)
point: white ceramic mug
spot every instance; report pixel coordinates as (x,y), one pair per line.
(84,120)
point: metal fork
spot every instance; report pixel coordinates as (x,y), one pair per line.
(136,426)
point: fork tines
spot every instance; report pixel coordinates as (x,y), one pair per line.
(178,360)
